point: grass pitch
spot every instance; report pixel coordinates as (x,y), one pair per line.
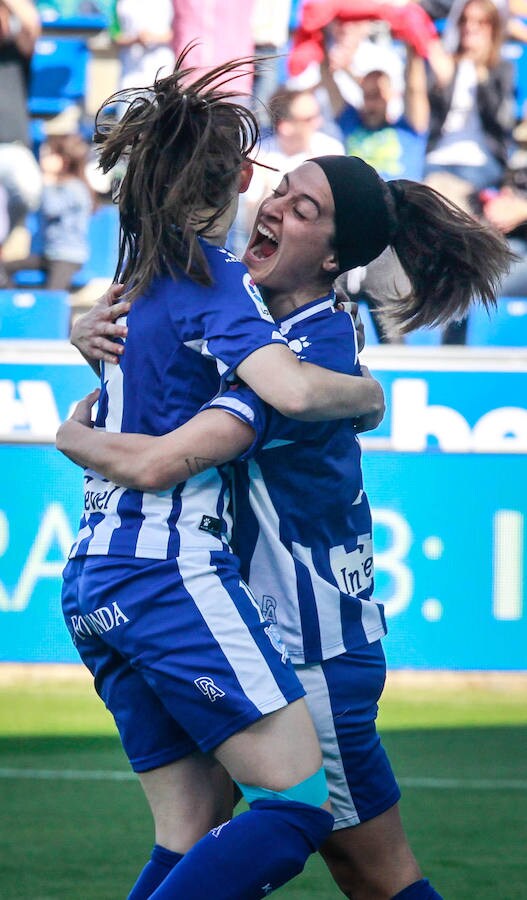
(74,824)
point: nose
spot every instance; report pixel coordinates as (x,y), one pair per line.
(272,206)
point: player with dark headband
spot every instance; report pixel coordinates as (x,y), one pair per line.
(303,519)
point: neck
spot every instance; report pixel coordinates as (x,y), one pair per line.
(282,304)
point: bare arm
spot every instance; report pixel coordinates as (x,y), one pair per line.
(296,389)
(301,390)
(147,463)
(29,22)
(416,105)
(506,211)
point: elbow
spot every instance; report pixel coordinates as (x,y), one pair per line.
(140,476)
(150,482)
(296,403)
(378,403)
(151,477)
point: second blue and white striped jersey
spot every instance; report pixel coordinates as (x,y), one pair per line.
(303,528)
(181,338)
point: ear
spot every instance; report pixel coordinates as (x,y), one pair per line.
(246,176)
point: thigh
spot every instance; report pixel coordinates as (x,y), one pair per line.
(187,799)
(342,695)
(277,752)
(196,636)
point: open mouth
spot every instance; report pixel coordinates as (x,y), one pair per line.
(264,243)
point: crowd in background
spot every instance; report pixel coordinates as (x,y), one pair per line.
(427,91)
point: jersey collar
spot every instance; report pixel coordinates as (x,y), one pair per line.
(306,311)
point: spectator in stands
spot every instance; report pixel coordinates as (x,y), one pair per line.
(142,31)
(353,52)
(296,121)
(64,215)
(394,148)
(466,100)
(19,171)
(467,104)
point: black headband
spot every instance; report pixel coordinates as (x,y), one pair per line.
(364,209)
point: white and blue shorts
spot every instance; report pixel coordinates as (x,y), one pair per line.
(342,695)
(178,649)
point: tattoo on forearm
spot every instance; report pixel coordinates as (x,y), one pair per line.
(197,464)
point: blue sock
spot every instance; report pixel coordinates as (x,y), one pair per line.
(160,864)
(251,855)
(419,890)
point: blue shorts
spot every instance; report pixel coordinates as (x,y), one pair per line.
(178,649)
(342,695)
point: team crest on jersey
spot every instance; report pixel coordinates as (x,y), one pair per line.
(274,636)
(256,297)
(269,608)
(208,688)
(297,345)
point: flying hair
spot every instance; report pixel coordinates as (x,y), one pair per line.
(450,258)
(183,140)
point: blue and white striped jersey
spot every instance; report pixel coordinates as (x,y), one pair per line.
(181,338)
(303,527)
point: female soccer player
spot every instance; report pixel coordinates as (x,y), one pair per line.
(152,596)
(303,520)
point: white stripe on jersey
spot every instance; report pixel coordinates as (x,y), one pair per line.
(273,580)
(229,629)
(201,346)
(113,378)
(285,327)
(319,705)
(199,498)
(327,600)
(103,532)
(371,621)
(84,533)
(232,403)
(279,580)
(154,531)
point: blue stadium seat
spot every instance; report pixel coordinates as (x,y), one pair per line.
(58,75)
(103,238)
(505,327)
(76,15)
(34,315)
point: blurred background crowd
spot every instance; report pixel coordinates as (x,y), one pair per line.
(434,91)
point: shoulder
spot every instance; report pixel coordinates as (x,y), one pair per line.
(228,270)
(327,340)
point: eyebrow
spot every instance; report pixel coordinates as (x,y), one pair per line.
(303,196)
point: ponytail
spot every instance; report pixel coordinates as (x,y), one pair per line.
(449,258)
